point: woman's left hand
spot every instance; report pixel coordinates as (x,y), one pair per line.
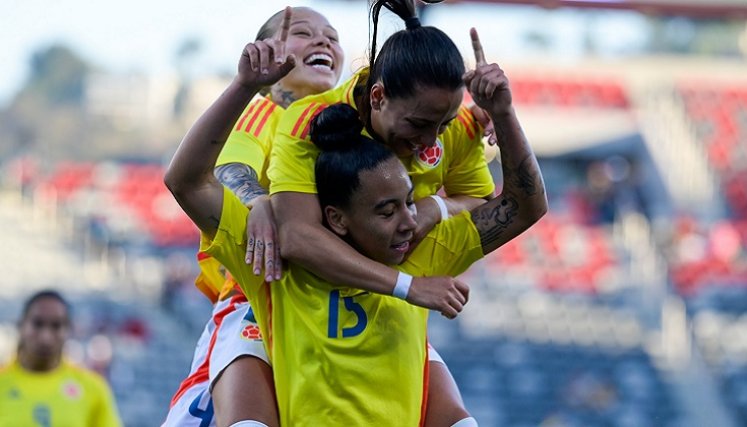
(487,83)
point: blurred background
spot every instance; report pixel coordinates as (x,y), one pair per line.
(626,306)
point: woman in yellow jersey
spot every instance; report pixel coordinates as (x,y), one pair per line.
(41,388)
(231,342)
(224,385)
(196,189)
(342,356)
(409,99)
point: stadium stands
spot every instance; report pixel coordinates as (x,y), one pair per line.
(551,336)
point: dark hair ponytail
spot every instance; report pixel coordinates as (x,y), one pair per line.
(415,57)
(345,153)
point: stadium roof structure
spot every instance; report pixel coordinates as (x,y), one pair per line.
(692,8)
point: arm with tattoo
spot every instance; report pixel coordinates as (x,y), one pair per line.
(242,180)
(190,176)
(522,201)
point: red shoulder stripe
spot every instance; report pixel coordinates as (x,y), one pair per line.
(467,127)
(248,112)
(261,124)
(473,120)
(317,110)
(301,119)
(259,110)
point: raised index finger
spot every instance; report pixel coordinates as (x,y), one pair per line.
(477,47)
(285,27)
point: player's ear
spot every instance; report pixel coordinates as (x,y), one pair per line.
(377,96)
(336,220)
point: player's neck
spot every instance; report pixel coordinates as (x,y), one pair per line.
(282,96)
(37,364)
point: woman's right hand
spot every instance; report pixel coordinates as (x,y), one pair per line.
(264,62)
(262,248)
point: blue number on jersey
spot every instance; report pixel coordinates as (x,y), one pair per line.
(41,415)
(206,415)
(334,316)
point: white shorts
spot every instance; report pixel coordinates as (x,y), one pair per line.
(230,333)
(433,355)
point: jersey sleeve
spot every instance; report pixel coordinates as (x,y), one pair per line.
(468,172)
(449,249)
(105,413)
(250,140)
(293,154)
(229,244)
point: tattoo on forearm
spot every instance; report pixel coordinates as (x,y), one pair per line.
(492,221)
(241,179)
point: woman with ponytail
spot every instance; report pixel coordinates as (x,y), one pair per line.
(341,356)
(410,99)
(449,162)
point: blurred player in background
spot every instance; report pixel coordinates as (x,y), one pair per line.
(40,387)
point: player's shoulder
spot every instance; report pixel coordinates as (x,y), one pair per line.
(464,124)
(257,115)
(6,371)
(297,117)
(88,377)
(296,121)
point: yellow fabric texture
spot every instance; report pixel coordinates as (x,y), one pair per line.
(461,168)
(249,142)
(342,356)
(68,396)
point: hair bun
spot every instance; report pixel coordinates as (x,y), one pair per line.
(336,128)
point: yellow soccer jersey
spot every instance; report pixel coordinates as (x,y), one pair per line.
(342,356)
(456,162)
(68,396)
(250,140)
(249,143)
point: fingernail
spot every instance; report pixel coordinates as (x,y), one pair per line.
(264,71)
(256,272)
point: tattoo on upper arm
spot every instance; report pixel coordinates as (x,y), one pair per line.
(491,219)
(215,221)
(241,179)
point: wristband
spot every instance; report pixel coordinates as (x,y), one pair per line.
(402,287)
(441,206)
